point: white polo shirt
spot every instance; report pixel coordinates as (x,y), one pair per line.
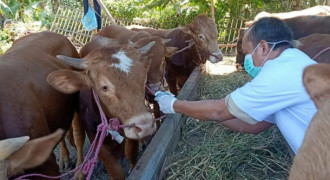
(277,95)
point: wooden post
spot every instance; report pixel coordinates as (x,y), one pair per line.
(107,12)
(212,10)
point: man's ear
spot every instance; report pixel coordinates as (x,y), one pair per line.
(67,81)
(265,47)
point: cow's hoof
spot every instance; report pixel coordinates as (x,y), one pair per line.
(65,165)
(80,176)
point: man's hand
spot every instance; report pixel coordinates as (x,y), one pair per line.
(165,101)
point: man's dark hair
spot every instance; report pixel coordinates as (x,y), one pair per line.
(271,30)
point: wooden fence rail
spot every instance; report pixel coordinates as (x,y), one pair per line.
(68,22)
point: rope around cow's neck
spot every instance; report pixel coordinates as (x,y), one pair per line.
(87,166)
(191,43)
(319,53)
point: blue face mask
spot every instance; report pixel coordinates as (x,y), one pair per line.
(252,70)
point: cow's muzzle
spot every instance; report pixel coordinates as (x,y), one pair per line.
(215,57)
(143,126)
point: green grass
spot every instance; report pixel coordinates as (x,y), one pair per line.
(207,150)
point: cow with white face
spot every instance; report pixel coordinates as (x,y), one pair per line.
(118,75)
(117,79)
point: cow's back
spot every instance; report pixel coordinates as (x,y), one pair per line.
(28,105)
(155,32)
(318,46)
(306,25)
(121,34)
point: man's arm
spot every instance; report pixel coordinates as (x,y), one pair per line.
(214,110)
(242,126)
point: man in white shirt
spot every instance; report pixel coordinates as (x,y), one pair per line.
(275,95)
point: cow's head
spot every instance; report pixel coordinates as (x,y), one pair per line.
(205,33)
(159,51)
(316,79)
(118,76)
(18,154)
(97,42)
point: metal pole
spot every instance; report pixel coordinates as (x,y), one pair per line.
(107,12)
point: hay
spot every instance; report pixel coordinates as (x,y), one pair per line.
(209,151)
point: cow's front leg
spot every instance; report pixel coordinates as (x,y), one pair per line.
(157,112)
(132,152)
(64,157)
(171,81)
(112,164)
(79,139)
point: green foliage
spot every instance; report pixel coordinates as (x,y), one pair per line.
(5,40)
(27,10)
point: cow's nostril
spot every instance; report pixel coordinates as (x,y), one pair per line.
(138,130)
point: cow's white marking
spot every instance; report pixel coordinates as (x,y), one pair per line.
(125,62)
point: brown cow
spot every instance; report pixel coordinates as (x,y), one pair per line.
(203,32)
(312,11)
(313,158)
(118,75)
(157,55)
(17,154)
(316,46)
(121,34)
(301,26)
(28,105)
(239,51)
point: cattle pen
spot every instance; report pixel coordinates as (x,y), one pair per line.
(152,163)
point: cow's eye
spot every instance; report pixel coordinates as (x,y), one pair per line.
(105,88)
(201,36)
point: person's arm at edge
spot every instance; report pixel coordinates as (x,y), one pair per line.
(239,125)
(206,110)
(216,110)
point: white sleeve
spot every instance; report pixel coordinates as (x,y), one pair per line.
(268,93)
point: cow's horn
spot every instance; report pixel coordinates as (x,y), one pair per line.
(9,146)
(296,43)
(74,62)
(166,40)
(131,44)
(146,48)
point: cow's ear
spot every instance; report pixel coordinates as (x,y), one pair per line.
(33,153)
(67,81)
(316,79)
(187,29)
(170,51)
